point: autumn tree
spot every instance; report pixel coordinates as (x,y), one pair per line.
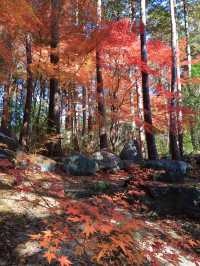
(17,18)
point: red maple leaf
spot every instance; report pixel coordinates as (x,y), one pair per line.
(50,256)
(64,261)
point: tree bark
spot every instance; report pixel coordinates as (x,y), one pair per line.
(189,66)
(173,140)
(54,104)
(179,102)
(84,95)
(100,91)
(5,114)
(187,35)
(7,86)
(150,138)
(25,130)
(139,113)
(90,121)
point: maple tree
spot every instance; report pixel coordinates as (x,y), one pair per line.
(76,68)
(91,75)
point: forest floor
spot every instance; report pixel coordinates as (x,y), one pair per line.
(26,197)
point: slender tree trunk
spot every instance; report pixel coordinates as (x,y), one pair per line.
(173,140)
(133,10)
(89,122)
(53,122)
(5,114)
(189,66)
(138,112)
(100,91)
(132,107)
(187,35)
(37,119)
(77,13)
(179,102)
(68,118)
(84,94)
(150,138)
(141,132)
(25,130)
(7,88)
(54,103)
(7,38)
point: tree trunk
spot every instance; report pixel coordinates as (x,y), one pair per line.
(173,140)
(5,114)
(150,138)
(7,87)
(37,119)
(187,35)
(132,107)
(84,95)
(54,104)
(139,113)
(189,66)
(25,130)
(100,91)
(90,121)
(179,102)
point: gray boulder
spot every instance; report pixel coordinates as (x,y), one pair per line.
(176,199)
(128,164)
(170,177)
(37,161)
(179,167)
(44,163)
(107,161)
(8,147)
(6,154)
(131,151)
(79,165)
(8,142)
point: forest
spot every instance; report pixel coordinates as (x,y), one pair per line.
(99,132)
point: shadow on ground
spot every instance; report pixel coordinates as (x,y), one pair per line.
(15,249)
